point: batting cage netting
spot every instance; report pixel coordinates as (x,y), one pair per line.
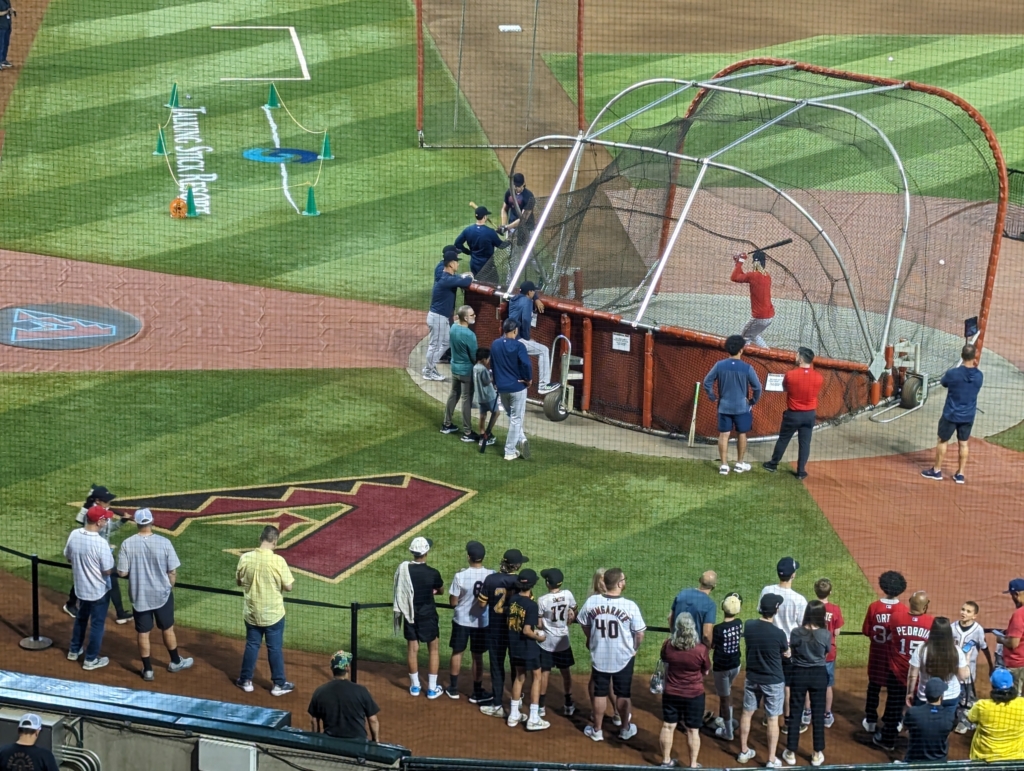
(889,198)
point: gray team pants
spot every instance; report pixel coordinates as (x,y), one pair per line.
(462,385)
(515,406)
(440,327)
(754,329)
(533,348)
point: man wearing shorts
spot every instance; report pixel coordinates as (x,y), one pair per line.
(738,391)
(150,564)
(787,618)
(469,622)
(767,646)
(962,385)
(416,584)
(614,630)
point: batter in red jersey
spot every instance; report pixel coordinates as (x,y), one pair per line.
(909,628)
(876,629)
(762,312)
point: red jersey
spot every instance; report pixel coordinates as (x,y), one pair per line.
(833,622)
(1015,658)
(760,291)
(907,633)
(802,386)
(876,629)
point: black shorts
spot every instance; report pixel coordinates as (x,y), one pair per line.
(621,681)
(679,709)
(424,630)
(787,670)
(947,428)
(531,664)
(164,617)
(556,660)
(468,635)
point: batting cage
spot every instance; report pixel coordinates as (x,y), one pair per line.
(877,204)
(1014,227)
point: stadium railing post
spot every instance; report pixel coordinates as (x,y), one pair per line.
(354,639)
(35,642)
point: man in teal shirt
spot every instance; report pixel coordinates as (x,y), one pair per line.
(463,347)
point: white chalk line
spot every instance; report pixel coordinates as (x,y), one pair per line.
(284,171)
(298,53)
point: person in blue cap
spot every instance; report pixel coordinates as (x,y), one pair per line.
(479,241)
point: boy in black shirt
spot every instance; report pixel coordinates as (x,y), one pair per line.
(523,636)
(929,725)
(342,708)
(725,642)
(496,594)
(416,584)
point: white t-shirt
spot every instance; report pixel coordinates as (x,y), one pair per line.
(791,614)
(970,641)
(554,609)
(89,556)
(612,623)
(919,658)
(466,586)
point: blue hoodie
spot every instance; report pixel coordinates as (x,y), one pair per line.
(510,364)
(962,387)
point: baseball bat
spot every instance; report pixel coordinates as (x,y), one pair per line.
(693,421)
(783,242)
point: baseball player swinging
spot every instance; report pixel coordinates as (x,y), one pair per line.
(762,312)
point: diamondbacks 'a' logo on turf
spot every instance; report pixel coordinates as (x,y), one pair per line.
(32,325)
(329,528)
(63,326)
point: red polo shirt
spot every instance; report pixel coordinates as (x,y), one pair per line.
(802,386)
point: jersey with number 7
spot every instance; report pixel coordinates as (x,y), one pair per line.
(611,623)
(908,632)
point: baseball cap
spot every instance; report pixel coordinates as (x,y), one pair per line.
(143,517)
(341,660)
(420,545)
(770,604)
(935,687)
(760,257)
(450,248)
(527,286)
(475,550)
(100,493)
(481,211)
(515,557)
(518,179)
(732,604)
(553,576)
(787,566)
(527,578)
(97,513)
(1016,585)
(34,723)
(451,257)
(1002,679)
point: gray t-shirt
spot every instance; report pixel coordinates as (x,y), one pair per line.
(89,556)
(147,559)
(810,646)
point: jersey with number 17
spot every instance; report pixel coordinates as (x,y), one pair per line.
(908,632)
(556,608)
(611,623)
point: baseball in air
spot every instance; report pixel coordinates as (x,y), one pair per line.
(890,58)
(188,96)
(942,262)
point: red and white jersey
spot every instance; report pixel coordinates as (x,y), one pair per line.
(834,621)
(876,629)
(556,608)
(612,623)
(908,632)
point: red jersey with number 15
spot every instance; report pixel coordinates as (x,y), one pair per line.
(876,629)
(908,632)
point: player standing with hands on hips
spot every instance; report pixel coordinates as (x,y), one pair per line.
(762,312)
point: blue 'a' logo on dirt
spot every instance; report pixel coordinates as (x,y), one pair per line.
(279,155)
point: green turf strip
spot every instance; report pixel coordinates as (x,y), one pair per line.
(663,521)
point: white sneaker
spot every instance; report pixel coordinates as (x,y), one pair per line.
(546,389)
(628,732)
(739,468)
(537,725)
(493,710)
(513,720)
(743,757)
(789,757)
(184,663)
(805,718)
(818,758)
(597,736)
(868,726)
(773,763)
(513,456)
(616,720)
(723,469)
(92,664)
(542,711)
(718,722)
(524,448)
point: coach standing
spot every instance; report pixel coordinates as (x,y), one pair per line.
(738,391)
(5,32)
(439,317)
(802,385)
(91,566)
(150,564)
(479,241)
(263,577)
(962,385)
(513,374)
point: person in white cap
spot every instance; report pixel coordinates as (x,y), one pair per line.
(416,584)
(91,566)
(24,755)
(150,564)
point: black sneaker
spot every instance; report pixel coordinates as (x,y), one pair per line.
(770,467)
(472,436)
(484,697)
(448,428)
(451,693)
(6,64)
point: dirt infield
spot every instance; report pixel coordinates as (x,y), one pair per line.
(194,323)
(443,728)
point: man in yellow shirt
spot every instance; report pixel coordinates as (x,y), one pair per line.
(1000,722)
(263,576)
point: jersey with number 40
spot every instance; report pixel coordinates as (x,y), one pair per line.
(612,623)
(466,585)
(556,608)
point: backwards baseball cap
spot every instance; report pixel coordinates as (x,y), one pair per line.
(340,660)
(787,566)
(100,493)
(420,545)
(553,576)
(98,513)
(482,211)
(527,579)
(143,517)
(1016,585)
(1002,679)
(759,257)
(34,723)
(935,687)
(515,557)
(527,286)
(475,550)
(770,604)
